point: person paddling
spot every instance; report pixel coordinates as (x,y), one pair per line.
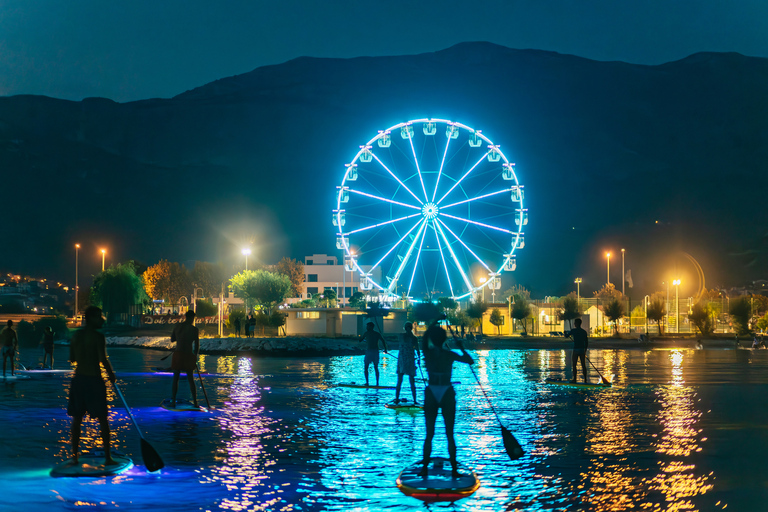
(440,394)
(407,357)
(580,345)
(87,392)
(10,344)
(187,338)
(372,338)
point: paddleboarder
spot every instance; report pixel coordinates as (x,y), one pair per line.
(439,394)
(47,343)
(187,339)
(10,344)
(580,344)
(87,392)
(372,338)
(407,358)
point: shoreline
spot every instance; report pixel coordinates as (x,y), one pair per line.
(311,347)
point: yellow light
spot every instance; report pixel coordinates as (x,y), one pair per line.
(608,255)
(77,246)
(103,251)
(483,279)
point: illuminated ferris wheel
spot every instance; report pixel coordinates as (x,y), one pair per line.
(432,206)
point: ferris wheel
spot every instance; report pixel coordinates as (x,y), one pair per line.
(429,208)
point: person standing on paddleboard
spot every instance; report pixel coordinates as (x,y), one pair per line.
(10,345)
(407,358)
(372,338)
(580,345)
(187,338)
(47,343)
(439,394)
(87,392)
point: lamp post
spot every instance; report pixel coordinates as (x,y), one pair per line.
(77,288)
(666,306)
(623,278)
(578,292)
(676,282)
(103,256)
(646,299)
(608,259)
(194,299)
(482,283)
(246,252)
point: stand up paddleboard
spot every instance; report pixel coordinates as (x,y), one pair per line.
(438,485)
(362,386)
(182,406)
(405,406)
(92,465)
(17,376)
(43,371)
(569,384)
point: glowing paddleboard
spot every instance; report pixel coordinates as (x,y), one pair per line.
(362,386)
(182,406)
(569,384)
(92,465)
(439,484)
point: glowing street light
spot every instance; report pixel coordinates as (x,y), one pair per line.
(246,252)
(676,282)
(578,292)
(77,288)
(623,275)
(608,258)
(103,256)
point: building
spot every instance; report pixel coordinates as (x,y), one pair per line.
(323,272)
(336,322)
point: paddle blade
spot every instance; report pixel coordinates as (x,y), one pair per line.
(152,459)
(513,448)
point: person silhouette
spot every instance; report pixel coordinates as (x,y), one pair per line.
(372,338)
(407,358)
(580,345)
(187,339)
(10,343)
(47,343)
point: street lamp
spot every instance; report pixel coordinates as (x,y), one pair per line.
(77,288)
(623,278)
(578,292)
(676,282)
(646,299)
(246,252)
(103,255)
(608,259)
(482,283)
(194,299)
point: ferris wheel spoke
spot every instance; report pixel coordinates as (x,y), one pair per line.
(442,164)
(476,198)
(398,179)
(442,257)
(418,169)
(407,256)
(382,224)
(359,192)
(465,245)
(418,255)
(395,246)
(477,223)
(455,259)
(462,178)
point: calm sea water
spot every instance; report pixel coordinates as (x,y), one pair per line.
(681,430)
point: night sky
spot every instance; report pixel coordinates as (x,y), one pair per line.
(139,50)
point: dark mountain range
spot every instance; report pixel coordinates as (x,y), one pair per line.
(654,159)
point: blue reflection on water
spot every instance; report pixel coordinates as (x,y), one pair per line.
(282,436)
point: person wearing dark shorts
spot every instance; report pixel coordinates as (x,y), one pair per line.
(580,345)
(372,339)
(47,343)
(440,394)
(187,339)
(87,392)
(10,344)
(407,359)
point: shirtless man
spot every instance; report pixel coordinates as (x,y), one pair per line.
(372,338)
(87,392)
(187,338)
(10,344)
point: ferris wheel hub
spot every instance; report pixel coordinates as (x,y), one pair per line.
(429,211)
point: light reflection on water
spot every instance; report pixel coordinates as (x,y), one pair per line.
(283,437)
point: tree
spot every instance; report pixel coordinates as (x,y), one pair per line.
(497,319)
(357,300)
(608,292)
(476,310)
(517,291)
(294,270)
(426,312)
(167,281)
(614,310)
(209,277)
(117,289)
(206,307)
(325,299)
(656,309)
(235,314)
(521,309)
(701,317)
(741,312)
(277,319)
(570,310)
(447,304)
(263,287)
(762,323)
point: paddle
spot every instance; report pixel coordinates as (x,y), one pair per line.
(152,459)
(511,446)
(166,357)
(207,403)
(602,379)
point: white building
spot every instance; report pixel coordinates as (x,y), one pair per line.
(323,272)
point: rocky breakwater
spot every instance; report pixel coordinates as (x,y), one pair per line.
(284,346)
